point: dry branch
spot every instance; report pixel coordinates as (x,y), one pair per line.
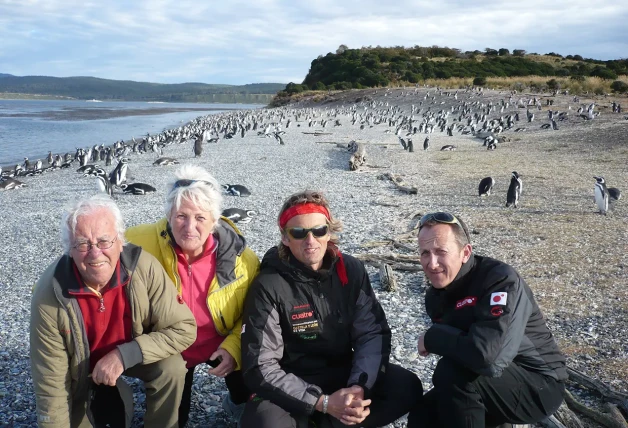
(387,277)
(609,420)
(606,391)
(399,184)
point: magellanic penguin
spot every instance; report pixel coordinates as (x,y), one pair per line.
(238,215)
(166,161)
(614,193)
(236,190)
(601,194)
(10,184)
(514,190)
(485,187)
(118,175)
(137,188)
(198,146)
(426,143)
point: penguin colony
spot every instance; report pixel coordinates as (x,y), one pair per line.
(469,115)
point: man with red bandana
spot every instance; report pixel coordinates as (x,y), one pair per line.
(500,363)
(315,340)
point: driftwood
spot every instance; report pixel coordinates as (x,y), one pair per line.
(387,277)
(318,133)
(399,262)
(358,158)
(613,419)
(398,182)
(389,241)
(606,391)
(562,418)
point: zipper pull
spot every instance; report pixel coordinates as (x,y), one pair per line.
(190,270)
(101,308)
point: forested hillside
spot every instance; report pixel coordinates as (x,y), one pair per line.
(86,88)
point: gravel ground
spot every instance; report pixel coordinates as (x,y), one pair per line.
(574,259)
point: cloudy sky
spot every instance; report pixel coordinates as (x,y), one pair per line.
(238,42)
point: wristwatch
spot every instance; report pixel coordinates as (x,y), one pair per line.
(325,403)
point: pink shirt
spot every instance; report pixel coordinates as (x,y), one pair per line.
(196,278)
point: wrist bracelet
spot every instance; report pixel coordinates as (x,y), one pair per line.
(325,403)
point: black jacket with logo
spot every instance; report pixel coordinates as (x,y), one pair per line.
(487,318)
(305,333)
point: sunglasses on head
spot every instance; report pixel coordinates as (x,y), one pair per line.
(445,218)
(186,182)
(301,232)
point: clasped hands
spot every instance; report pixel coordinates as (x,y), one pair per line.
(347,405)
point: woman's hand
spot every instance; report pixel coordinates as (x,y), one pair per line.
(227,365)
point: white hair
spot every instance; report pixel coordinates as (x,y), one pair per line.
(87,206)
(202,190)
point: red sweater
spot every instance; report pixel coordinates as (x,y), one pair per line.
(196,278)
(106,315)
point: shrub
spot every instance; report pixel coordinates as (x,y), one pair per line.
(619,86)
(479,81)
(553,84)
(604,73)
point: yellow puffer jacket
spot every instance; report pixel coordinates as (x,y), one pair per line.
(236,268)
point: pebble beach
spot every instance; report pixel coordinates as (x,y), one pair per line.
(574,259)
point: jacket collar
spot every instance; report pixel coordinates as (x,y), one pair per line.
(458,285)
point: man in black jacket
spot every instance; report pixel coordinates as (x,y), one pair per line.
(499,361)
(315,341)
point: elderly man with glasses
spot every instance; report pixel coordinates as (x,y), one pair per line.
(315,340)
(102,310)
(211,266)
(500,363)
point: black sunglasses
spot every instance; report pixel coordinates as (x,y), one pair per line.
(186,182)
(445,218)
(301,232)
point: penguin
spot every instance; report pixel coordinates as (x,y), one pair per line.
(137,188)
(403,143)
(485,187)
(118,175)
(601,194)
(166,161)
(198,146)
(238,215)
(49,158)
(514,190)
(11,184)
(448,148)
(614,193)
(236,190)
(104,185)
(426,143)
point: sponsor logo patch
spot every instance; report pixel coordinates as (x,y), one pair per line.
(467,301)
(303,321)
(499,298)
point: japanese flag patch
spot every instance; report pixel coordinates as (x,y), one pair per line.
(499,298)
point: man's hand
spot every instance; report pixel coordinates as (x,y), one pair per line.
(108,369)
(347,405)
(422,351)
(227,365)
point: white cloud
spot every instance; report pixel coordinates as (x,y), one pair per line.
(241,41)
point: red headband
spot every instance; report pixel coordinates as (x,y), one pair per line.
(306,208)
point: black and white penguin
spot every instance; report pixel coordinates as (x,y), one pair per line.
(236,190)
(238,215)
(426,143)
(118,175)
(614,193)
(166,161)
(601,194)
(137,188)
(485,187)
(198,146)
(514,190)
(11,184)
(448,148)
(104,185)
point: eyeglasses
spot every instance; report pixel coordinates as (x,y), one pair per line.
(186,182)
(301,232)
(84,247)
(443,217)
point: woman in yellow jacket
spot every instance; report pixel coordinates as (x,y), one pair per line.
(206,257)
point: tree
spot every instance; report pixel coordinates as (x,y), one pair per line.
(479,81)
(504,52)
(553,84)
(518,52)
(491,52)
(341,49)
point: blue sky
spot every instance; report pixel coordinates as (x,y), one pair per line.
(238,42)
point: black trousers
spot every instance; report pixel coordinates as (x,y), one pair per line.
(463,399)
(238,392)
(393,398)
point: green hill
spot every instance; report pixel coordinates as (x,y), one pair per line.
(377,66)
(86,88)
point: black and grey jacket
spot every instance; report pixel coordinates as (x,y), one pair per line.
(305,333)
(487,318)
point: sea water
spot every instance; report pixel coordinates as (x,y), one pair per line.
(31,128)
